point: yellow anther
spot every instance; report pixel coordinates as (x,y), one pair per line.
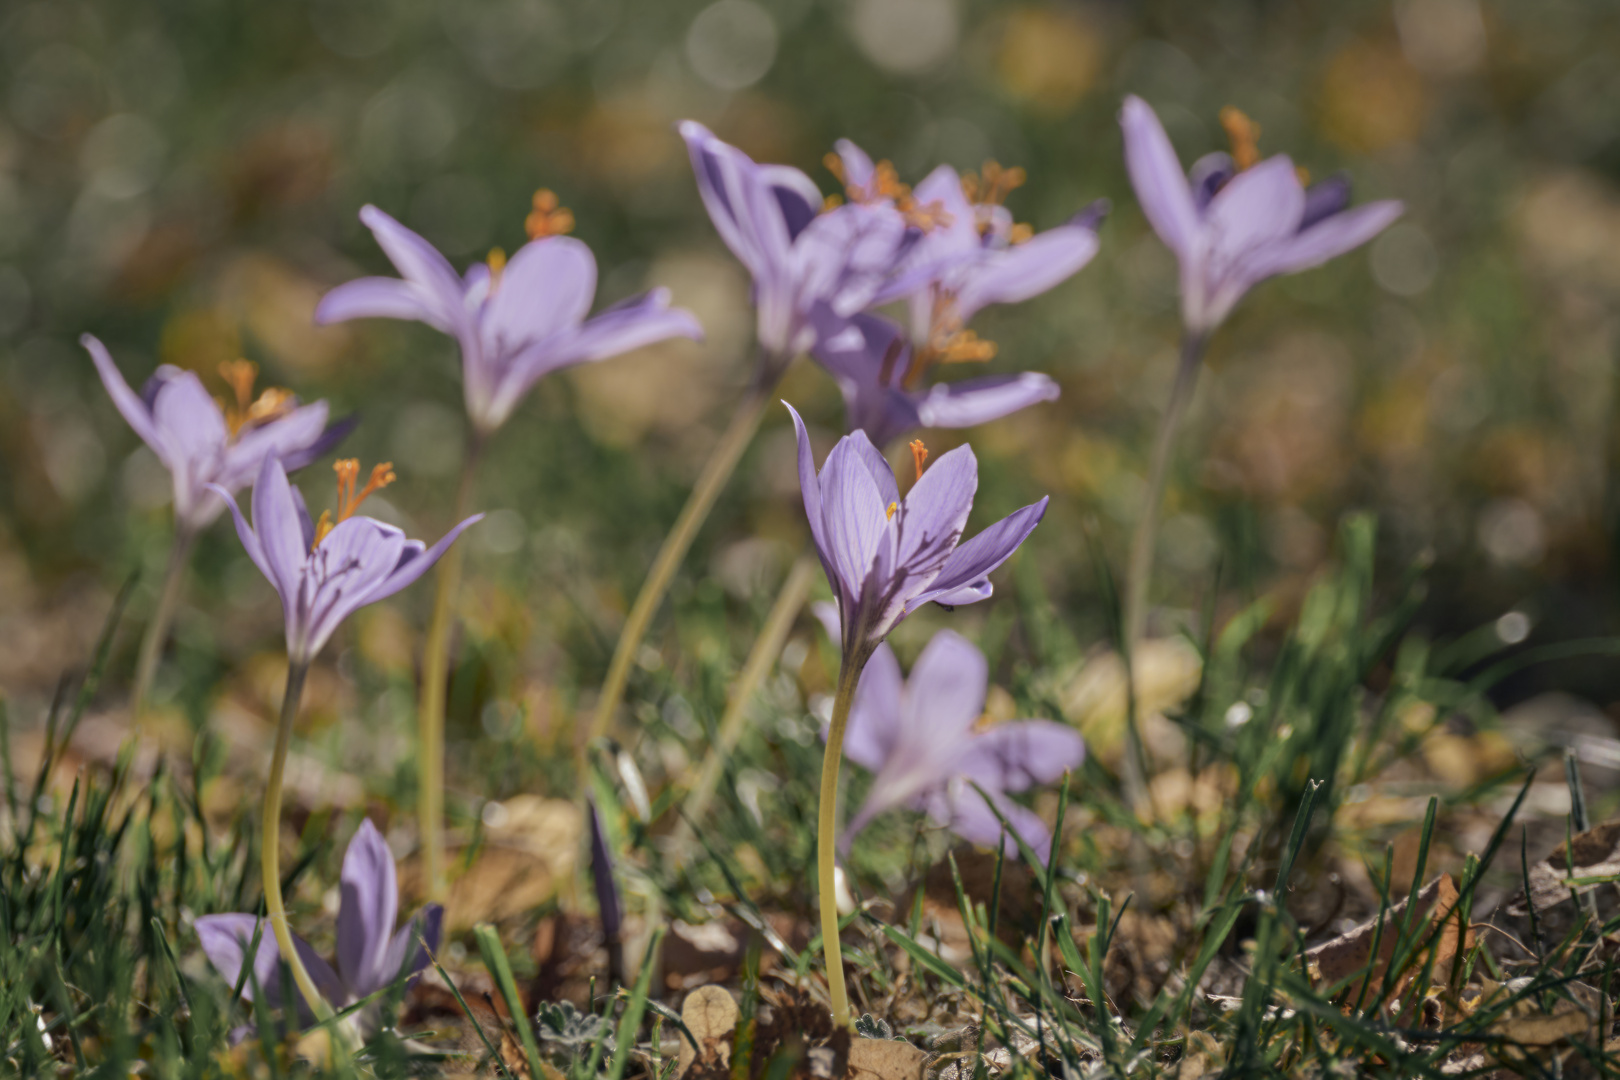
(889,513)
(885,184)
(348,499)
(1021,234)
(548,218)
(246,412)
(965,347)
(919,454)
(993,184)
(831,202)
(1304,175)
(497,263)
(1244,134)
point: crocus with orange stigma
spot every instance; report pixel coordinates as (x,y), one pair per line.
(324,571)
(886,555)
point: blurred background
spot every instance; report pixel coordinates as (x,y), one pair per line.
(181,178)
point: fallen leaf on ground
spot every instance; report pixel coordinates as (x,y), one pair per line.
(885,1059)
(710,1014)
(1334,961)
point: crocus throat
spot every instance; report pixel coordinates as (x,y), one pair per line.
(348,474)
(548,218)
(885,184)
(990,187)
(247,411)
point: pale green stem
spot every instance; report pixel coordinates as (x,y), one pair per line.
(435,685)
(270,843)
(767,647)
(849,674)
(721,464)
(157,628)
(1139,570)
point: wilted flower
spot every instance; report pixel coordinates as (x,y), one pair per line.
(207,443)
(877,371)
(886,556)
(371,955)
(516,320)
(922,739)
(325,571)
(801,254)
(1237,220)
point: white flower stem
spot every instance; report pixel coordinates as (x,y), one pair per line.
(435,686)
(1139,570)
(716,472)
(270,853)
(849,675)
(157,629)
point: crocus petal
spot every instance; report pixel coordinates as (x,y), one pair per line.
(877,465)
(810,491)
(962,580)
(1259,206)
(427,925)
(873,730)
(288,438)
(346,571)
(1331,237)
(962,809)
(135,411)
(930,520)
(366,915)
(979,401)
(225,939)
(1161,186)
(631,324)
(546,288)
(1021,753)
(295,458)
(1324,199)
(379,298)
(853,515)
(1027,269)
(944,695)
(439,288)
(412,565)
(277,524)
(194,430)
(250,540)
(797,197)
(718,168)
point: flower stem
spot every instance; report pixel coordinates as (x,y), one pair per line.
(1139,570)
(270,842)
(716,471)
(157,630)
(767,647)
(849,675)
(435,685)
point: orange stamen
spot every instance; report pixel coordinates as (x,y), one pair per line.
(497,263)
(548,218)
(889,513)
(992,187)
(348,500)
(919,454)
(239,375)
(1244,134)
(948,343)
(885,184)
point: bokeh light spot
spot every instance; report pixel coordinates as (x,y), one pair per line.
(731,44)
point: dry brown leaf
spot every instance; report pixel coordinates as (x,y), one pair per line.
(1340,959)
(710,1014)
(1595,852)
(885,1059)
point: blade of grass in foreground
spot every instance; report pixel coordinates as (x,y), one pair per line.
(489,944)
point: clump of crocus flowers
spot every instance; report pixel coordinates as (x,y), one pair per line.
(821,267)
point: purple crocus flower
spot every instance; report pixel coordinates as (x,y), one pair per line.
(849,258)
(886,556)
(207,444)
(873,364)
(921,739)
(326,572)
(371,955)
(981,256)
(1231,228)
(516,320)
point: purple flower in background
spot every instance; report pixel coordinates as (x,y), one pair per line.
(849,258)
(206,443)
(980,255)
(922,740)
(1233,227)
(323,571)
(371,955)
(886,556)
(516,320)
(873,363)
